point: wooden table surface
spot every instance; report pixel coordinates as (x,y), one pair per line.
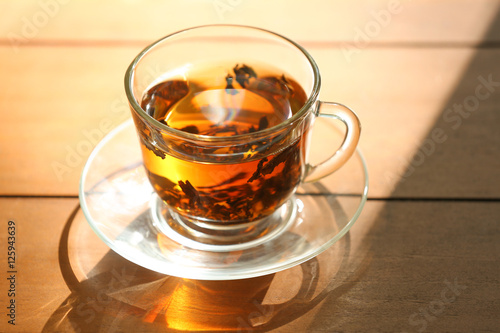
(424,256)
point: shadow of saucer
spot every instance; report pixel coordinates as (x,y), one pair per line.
(111,294)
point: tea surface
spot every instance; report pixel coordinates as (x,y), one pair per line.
(223,101)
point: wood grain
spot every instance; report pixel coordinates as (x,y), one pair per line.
(40,286)
(386,274)
(318,21)
(430,266)
(423,255)
(49,130)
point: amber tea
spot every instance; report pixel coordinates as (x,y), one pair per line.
(220,182)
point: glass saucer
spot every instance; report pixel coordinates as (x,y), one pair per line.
(121,207)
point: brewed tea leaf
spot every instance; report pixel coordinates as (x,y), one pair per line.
(229,85)
(158,100)
(190,129)
(155,150)
(278,159)
(190,191)
(257,172)
(263,123)
(268,168)
(243,74)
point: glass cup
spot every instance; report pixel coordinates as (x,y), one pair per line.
(231,188)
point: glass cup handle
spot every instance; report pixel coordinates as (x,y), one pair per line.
(348,146)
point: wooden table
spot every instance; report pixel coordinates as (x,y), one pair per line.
(424,77)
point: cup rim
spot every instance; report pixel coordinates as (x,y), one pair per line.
(129,76)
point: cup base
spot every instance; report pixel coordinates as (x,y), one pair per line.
(210,236)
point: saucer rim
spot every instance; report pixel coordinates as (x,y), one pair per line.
(194,273)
